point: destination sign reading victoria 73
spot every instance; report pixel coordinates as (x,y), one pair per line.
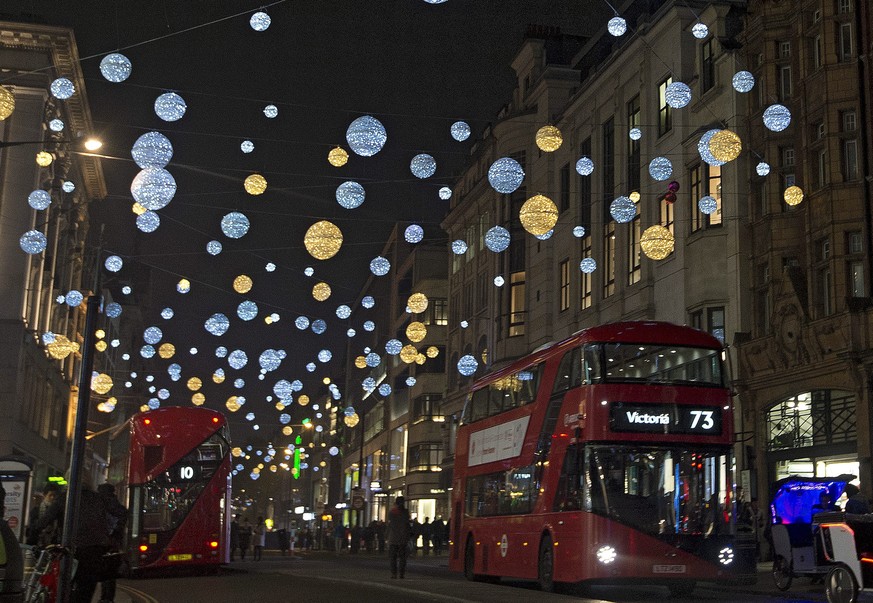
(665,418)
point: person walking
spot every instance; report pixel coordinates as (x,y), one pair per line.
(116,519)
(234,536)
(90,542)
(426,533)
(245,538)
(283,540)
(380,535)
(438,534)
(399,532)
(339,535)
(260,538)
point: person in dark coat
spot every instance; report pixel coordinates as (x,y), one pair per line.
(234,536)
(438,535)
(426,534)
(857,503)
(47,519)
(116,518)
(245,538)
(399,533)
(91,542)
(282,534)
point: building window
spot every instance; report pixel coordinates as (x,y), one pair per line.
(695,190)
(823,279)
(436,312)
(634,155)
(762,299)
(844,41)
(472,235)
(484,225)
(855,246)
(425,457)
(854,242)
(585,188)
(844,6)
(608,160)
(586,279)
(783,49)
(705,181)
(821,175)
(517,312)
(609,259)
(812,418)
(667,216)
(565,188)
(850,159)
(787,156)
(710,320)
(665,111)
(483,289)
(564,288)
(849,120)
(707,64)
(427,407)
(784,82)
(817,53)
(634,263)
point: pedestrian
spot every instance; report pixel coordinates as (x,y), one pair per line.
(91,542)
(282,533)
(438,534)
(11,558)
(245,538)
(116,519)
(292,537)
(260,537)
(416,532)
(426,533)
(857,503)
(399,533)
(48,518)
(339,536)
(380,535)
(234,536)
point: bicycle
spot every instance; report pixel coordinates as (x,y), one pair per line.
(42,583)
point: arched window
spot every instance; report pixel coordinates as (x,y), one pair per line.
(813,418)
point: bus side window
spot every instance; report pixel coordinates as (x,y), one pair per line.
(568,496)
(528,380)
(564,378)
(591,371)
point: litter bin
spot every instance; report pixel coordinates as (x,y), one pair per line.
(746,550)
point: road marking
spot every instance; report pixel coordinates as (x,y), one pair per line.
(138,593)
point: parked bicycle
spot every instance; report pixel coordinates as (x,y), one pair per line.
(42,584)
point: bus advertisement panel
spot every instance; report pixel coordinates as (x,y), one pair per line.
(605,457)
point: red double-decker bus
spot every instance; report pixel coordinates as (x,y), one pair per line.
(178,485)
(604,458)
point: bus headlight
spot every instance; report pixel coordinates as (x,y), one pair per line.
(726,556)
(607,554)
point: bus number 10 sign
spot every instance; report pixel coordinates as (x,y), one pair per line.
(665,418)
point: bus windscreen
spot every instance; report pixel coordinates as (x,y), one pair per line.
(658,364)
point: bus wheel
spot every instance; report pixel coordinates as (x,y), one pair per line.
(841,586)
(470,560)
(546,567)
(782,573)
(682,589)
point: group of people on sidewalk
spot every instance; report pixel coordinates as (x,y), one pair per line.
(403,532)
(373,537)
(242,536)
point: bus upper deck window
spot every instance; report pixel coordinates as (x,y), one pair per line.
(591,370)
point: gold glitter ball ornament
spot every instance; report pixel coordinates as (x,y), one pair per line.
(233,404)
(198,399)
(416,331)
(432,351)
(101,383)
(44,159)
(361,362)
(725,145)
(323,240)
(255,184)
(338,157)
(321,291)
(538,215)
(242,284)
(793,195)
(549,139)
(351,420)
(194,383)
(408,354)
(7,103)
(287,431)
(657,242)
(417,302)
(302,399)
(166,351)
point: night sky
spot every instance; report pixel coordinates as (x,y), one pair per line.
(415,66)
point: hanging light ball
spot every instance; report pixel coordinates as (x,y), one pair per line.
(578,231)
(368,302)
(413,234)
(242,284)
(699,30)
(152,149)
(247,310)
(725,145)
(351,420)
(213,247)
(44,159)
(460,131)
(743,81)
(170,106)
(55,125)
(321,291)
(777,118)
(338,157)
(623,210)
(588,265)
(62,88)
(417,303)
(39,199)
(217,324)
(416,331)
(393,347)
(343,311)
(115,67)
(432,351)
(703,148)
(459,247)
(7,103)
(707,205)
(323,240)
(445,193)
(255,184)
(677,95)
(350,194)
(235,225)
(635,134)
(260,21)
(549,139)
(233,404)
(408,354)
(657,242)
(505,175)
(660,168)
(148,221)
(101,383)
(153,188)
(793,195)
(380,266)
(246,146)
(113,263)
(585,166)
(166,351)
(366,136)
(763,168)
(183,286)
(422,166)
(538,215)
(271,111)
(617,26)
(467,365)
(32,242)
(497,239)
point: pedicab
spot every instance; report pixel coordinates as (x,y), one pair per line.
(796,501)
(847,553)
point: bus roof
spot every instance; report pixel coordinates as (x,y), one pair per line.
(650,331)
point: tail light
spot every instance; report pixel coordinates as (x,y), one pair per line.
(143,548)
(213,544)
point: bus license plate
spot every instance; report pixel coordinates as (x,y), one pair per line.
(668,569)
(183,557)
